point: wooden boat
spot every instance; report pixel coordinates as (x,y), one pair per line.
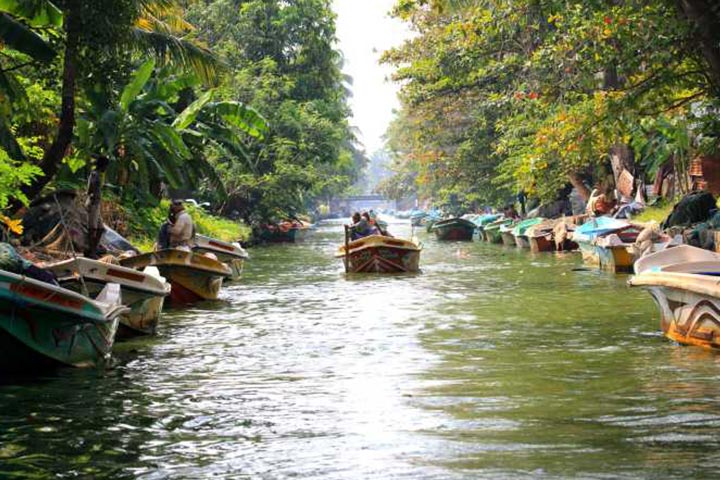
(480,221)
(541,237)
(418,218)
(193,276)
(142,292)
(230,253)
(508,239)
(380,254)
(454,229)
(683,282)
(607,243)
(520,231)
(284,232)
(45,326)
(492,233)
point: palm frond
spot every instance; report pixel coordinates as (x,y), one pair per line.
(180,52)
(20,37)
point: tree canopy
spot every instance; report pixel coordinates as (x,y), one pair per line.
(500,97)
(240,102)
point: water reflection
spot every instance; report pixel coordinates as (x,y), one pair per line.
(491,363)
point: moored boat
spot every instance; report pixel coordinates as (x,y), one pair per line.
(142,292)
(454,229)
(230,253)
(519,231)
(284,232)
(508,239)
(607,243)
(683,282)
(541,238)
(492,233)
(193,276)
(44,326)
(380,254)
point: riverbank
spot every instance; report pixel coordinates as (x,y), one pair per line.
(144,223)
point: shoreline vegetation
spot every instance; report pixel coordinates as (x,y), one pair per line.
(243,107)
(144,220)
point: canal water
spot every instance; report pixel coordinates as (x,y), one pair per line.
(491,363)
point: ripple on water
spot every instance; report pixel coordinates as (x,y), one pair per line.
(492,363)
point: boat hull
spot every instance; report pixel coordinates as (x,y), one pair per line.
(193,277)
(522,241)
(377,254)
(145,308)
(291,235)
(36,334)
(454,230)
(231,254)
(542,243)
(493,235)
(508,239)
(688,318)
(616,259)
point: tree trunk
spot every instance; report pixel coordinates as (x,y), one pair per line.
(704,17)
(53,157)
(577,182)
(621,158)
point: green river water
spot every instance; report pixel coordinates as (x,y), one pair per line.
(491,363)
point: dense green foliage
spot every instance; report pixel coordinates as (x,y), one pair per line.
(238,102)
(284,64)
(530,95)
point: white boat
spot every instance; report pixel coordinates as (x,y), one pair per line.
(143,292)
(231,253)
(684,282)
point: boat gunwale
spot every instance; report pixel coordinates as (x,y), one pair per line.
(223,271)
(103,314)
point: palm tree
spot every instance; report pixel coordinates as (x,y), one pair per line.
(157,32)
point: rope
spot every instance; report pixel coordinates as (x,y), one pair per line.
(72,247)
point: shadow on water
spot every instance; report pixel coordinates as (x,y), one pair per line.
(491,363)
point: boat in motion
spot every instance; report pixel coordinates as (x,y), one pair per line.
(380,254)
(45,326)
(230,253)
(193,276)
(143,292)
(683,282)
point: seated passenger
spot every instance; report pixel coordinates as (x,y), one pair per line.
(374,230)
(360,227)
(379,225)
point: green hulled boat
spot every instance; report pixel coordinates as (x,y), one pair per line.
(520,230)
(454,229)
(44,326)
(492,233)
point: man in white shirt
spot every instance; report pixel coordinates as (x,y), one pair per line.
(182,229)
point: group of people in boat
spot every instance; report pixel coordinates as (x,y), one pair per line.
(365,224)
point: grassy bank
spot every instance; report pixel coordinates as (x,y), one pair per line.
(144,224)
(655,213)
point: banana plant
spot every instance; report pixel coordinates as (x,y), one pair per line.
(150,141)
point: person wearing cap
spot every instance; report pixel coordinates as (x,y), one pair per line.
(181,228)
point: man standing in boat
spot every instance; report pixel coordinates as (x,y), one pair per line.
(181,229)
